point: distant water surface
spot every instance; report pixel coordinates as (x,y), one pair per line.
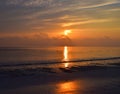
(55,54)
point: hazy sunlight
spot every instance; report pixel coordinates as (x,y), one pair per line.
(66,32)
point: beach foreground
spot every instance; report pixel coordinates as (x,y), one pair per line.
(74,80)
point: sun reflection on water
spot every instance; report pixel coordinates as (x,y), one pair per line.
(67,87)
(65,54)
(66,65)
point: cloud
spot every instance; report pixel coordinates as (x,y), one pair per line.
(38,39)
(43,39)
(101,4)
(87,22)
(103,41)
(70,3)
(33,3)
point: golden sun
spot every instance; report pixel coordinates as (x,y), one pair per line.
(66,32)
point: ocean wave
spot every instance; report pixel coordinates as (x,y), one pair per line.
(31,69)
(26,63)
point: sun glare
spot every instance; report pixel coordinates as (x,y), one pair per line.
(66,32)
(65,53)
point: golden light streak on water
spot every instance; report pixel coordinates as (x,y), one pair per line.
(66,65)
(65,53)
(66,57)
(68,87)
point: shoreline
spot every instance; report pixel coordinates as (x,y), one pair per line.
(57,62)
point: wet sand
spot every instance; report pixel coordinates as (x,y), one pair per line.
(74,80)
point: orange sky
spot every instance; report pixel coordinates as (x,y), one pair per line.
(34,23)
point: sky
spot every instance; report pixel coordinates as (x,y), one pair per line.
(28,23)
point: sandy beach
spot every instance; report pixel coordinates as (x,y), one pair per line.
(73,80)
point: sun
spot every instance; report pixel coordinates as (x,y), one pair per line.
(66,32)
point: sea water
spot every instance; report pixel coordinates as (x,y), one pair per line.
(11,56)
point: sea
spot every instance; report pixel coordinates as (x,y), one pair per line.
(58,56)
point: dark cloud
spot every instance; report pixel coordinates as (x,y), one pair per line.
(42,40)
(34,40)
